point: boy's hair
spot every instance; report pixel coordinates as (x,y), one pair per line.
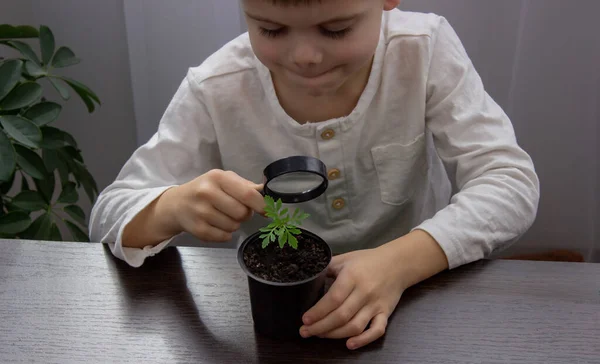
(293,2)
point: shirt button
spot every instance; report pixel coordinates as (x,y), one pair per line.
(333,174)
(338,203)
(328,134)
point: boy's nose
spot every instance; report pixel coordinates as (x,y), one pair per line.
(305,55)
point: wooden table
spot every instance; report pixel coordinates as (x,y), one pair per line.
(70,302)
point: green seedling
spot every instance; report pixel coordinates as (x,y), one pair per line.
(283,227)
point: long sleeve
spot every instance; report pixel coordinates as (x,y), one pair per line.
(497,189)
(183,148)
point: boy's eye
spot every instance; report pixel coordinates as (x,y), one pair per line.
(336,34)
(271,33)
(333,34)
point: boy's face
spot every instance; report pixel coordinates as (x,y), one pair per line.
(319,47)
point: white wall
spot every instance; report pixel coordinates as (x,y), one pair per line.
(555,100)
(166,38)
(540,60)
(15,12)
(477,23)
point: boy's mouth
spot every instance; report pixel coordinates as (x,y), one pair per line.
(313,74)
(312,77)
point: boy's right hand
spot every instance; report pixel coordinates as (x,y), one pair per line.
(213,206)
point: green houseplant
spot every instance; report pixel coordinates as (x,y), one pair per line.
(286,269)
(46,160)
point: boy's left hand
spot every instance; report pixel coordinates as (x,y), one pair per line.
(366,290)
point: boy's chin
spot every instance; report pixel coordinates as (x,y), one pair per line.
(321,90)
(316,92)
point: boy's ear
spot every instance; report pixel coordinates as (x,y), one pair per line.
(391,4)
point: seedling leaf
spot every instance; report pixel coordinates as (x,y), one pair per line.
(282,227)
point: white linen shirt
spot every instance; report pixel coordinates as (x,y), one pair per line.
(425,147)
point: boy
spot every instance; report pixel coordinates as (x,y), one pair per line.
(388,100)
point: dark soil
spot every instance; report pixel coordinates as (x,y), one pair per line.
(286,265)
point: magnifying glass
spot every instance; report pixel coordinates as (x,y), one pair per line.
(295,179)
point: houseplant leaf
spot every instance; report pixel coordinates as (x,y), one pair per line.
(6,185)
(63,169)
(283,239)
(76,85)
(7,156)
(265,242)
(10,74)
(14,222)
(34,70)
(52,138)
(13,32)
(46,186)
(71,154)
(21,96)
(70,141)
(43,113)
(270,202)
(64,57)
(51,159)
(292,241)
(30,201)
(84,93)
(76,213)
(25,50)
(46,44)
(54,233)
(89,185)
(87,101)
(294,230)
(22,130)
(24,183)
(62,89)
(40,228)
(76,232)
(69,193)
(30,162)
(12,208)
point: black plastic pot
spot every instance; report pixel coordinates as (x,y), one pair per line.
(277,308)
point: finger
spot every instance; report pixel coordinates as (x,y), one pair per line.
(221,221)
(206,232)
(334,298)
(242,190)
(248,215)
(230,206)
(335,266)
(353,328)
(375,331)
(259,188)
(340,317)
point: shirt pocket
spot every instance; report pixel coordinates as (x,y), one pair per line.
(400,168)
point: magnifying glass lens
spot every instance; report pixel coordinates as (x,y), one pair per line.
(295,179)
(295,183)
